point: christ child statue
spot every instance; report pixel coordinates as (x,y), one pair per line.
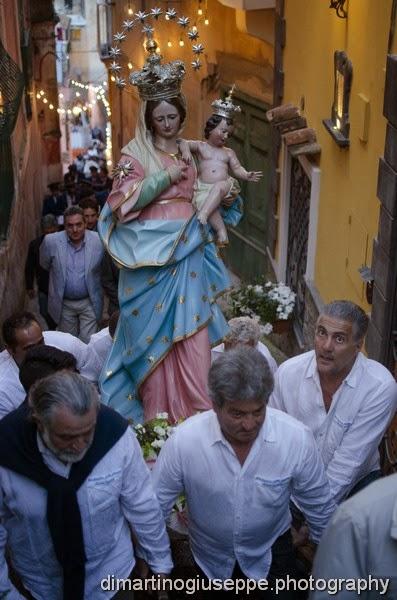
(216,164)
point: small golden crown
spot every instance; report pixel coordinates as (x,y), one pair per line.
(225,108)
(156,81)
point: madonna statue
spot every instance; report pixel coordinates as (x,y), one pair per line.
(170,270)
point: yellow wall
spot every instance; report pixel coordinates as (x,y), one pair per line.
(349,209)
(224,45)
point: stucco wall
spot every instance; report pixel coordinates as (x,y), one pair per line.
(348,210)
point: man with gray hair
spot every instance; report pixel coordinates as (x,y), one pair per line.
(238,465)
(245,331)
(346,399)
(72,484)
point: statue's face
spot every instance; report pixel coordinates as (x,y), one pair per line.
(219,135)
(166,120)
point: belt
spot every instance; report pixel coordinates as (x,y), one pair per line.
(75,299)
(171,201)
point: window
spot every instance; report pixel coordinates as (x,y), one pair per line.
(338,125)
(104,25)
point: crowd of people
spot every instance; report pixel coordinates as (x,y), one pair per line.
(263,448)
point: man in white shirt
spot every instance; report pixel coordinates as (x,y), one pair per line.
(245,331)
(72,483)
(100,345)
(346,399)
(358,552)
(238,465)
(20,332)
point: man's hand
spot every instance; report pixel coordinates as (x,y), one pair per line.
(300,536)
(141,568)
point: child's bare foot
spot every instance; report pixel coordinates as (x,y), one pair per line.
(222,239)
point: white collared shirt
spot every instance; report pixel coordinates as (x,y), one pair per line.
(348,435)
(262,348)
(237,512)
(118,492)
(360,544)
(12,393)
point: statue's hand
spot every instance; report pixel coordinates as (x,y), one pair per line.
(177,173)
(254,176)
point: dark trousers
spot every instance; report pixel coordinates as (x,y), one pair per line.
(283,565)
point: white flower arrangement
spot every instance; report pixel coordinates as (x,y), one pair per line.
(153,435)
(265,302)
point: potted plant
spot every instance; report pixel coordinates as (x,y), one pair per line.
(270,303)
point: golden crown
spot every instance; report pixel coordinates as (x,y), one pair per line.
(157,81)
(225,108)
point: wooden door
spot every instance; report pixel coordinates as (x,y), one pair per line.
(246,255)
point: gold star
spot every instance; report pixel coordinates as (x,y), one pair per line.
(159,307)
(173,272)
(149,339)
(181,299)
(193,274)
(197,318)
(165,339)
(151,359)
(204,298)
(184,238)
(109,373)
(130,397)
(151,281)
(213,287)
(128,290)
(135,312)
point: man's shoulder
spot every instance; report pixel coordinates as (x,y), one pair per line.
(8,368)
(296,364)
(194,426)
(54,238)
(284,422)
(92,237)
(375,369)
(379,498)
(62,340)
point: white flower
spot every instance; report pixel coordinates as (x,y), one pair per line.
(159,430)
(258,289)
(163,415)
(157,443)
(266,329)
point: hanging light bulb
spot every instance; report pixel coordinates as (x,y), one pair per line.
(169,44)
(181,43)
(206,20)
(130,66)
